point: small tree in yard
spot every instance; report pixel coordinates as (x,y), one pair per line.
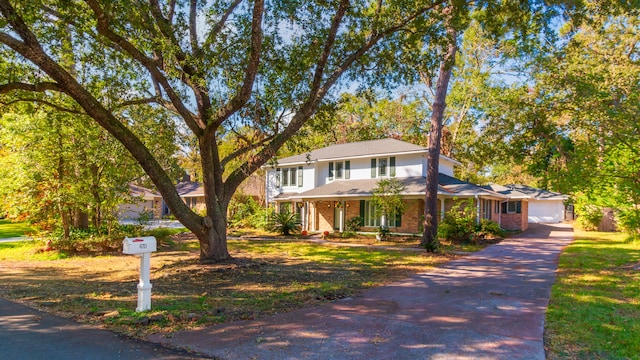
(387,197)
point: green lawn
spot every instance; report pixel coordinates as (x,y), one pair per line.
(9,229)
(594,312)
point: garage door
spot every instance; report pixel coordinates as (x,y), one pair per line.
(546,211)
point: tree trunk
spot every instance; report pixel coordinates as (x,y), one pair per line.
(213,233)
(430,234)
(80,219)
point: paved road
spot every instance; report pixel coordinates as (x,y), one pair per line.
(33,335)
(489,305)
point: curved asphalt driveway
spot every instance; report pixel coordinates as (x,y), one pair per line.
(489,305)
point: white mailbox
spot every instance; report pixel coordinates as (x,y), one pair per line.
(139,245)
(143,247)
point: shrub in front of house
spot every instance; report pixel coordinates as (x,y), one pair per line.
(459,223)
(285,223)
(353,224)
(490,227)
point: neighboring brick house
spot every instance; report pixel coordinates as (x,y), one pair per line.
(328,186)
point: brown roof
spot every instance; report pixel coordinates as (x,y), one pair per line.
(415,185)
(139,191)
(353,150)
(190,189)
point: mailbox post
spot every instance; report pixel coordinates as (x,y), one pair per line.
(143,247)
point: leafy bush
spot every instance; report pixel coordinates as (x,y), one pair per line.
(262,219)
(91,239)
(384,232)
(145,217)
(353,224)
(588,216)
(285,223)
(241,210)
(628,220)
(459,223)
(491,227)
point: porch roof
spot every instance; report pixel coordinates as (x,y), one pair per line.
(447,186)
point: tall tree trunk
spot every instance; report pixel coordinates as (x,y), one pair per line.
(80,218)
(430,234)
(213,233)
(95,193)
(62,209)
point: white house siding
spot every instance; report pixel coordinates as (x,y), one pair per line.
(546,211)
(445,167)
(408,165)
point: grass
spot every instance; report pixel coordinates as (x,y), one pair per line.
(267,277)
(9,229)
(594,312)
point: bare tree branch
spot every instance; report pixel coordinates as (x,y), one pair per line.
(193,34)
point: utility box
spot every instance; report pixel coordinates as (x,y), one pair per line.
(139,245)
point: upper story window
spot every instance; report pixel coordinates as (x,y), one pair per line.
(383,167)
(289,177)
(339,170)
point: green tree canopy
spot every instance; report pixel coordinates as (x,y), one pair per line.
(218,66)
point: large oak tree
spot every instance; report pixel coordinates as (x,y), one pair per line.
(221,67)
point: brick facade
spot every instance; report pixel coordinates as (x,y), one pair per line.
(412,217)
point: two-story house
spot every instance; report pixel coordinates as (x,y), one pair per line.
(328,186)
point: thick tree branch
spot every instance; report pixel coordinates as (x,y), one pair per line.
(328,45)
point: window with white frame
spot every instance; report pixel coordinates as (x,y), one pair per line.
(512,207)
(339,170)
(289,176)
(372,218)
(383,167)
(486,209)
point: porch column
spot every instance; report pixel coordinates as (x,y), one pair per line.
(442,210)
(342,212)
(477,210)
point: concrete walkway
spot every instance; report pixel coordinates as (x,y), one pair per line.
(489,305)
